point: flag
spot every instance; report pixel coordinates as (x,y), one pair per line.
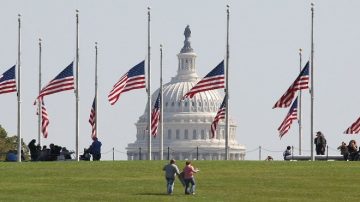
(213,80)
(301,82)
(92,119)
(7,81)
(155,116)
(220,115)
(291,115)
(133,79)
(354,128)
(62,82)
(44,121)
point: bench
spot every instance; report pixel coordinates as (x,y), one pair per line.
(317,157)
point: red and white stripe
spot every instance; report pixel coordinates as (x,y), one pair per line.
(44,122)
(8,86)
(286,124)
(155,118)
(210,83)
(58,85)
(220,115)
(125,84)
(354,128)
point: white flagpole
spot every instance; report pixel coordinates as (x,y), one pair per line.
(300,107)
(149,89)
(227,87)
(96,89)
(312,84)
(77,85)
(19,94)
(161,107)
(39,102)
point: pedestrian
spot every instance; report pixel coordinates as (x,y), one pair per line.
(189,171)
(320,143)
(33,151)
(171,170)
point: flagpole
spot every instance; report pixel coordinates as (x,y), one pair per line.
(161,107)
(96,89)
(227,88)
(299,105)
(312,83)
(149,90)
(77,85)
(39,102)
(19,93)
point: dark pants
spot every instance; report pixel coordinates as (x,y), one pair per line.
(187,183)
(96,157)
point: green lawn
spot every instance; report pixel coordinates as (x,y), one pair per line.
(144,181)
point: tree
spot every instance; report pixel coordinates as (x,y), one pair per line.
(9,143)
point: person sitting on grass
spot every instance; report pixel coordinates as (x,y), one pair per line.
(287,152)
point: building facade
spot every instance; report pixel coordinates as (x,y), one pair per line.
(186,122)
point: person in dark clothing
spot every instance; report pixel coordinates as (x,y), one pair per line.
(287,152)
(353,151)
(33,150)
(344,150)
(95,149)
(320,143)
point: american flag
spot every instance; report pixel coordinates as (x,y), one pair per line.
(133,79)
(291,115)
(301,82)
(7,81)
(213,80)
(155,116)
(44,119)
(92,119)
(62,82)
(220,115)
(354,128)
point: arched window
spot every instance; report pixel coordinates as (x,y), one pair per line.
(169,134)
(177,134)
(194,135)
(202,134)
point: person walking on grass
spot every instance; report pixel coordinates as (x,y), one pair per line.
(189,171)
(171,170)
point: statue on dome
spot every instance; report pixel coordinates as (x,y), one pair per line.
(187,32)
(187,47)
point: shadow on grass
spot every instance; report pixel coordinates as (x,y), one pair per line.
(152,194)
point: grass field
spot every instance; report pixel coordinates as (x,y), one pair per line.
(144,181)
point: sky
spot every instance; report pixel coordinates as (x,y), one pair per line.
(265,37)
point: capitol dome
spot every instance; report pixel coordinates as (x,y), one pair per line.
(186,122)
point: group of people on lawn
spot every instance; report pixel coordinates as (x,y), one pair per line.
(350,152)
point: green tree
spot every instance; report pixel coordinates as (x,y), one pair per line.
(10,143)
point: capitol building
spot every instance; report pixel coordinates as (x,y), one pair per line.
(186,123)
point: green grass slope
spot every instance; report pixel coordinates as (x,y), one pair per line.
(144,181)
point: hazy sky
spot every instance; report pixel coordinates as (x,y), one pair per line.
(264,40)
